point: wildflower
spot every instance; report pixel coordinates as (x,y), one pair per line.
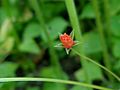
(67,42)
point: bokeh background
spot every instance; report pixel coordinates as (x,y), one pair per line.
(26,49)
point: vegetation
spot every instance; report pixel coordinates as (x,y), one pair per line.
(29,32)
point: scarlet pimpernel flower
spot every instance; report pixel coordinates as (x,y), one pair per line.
(67,41)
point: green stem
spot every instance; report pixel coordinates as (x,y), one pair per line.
(107,18)
(54,57)
(118,78)
(52,80)
(102,37)
(78,34)
(40,18)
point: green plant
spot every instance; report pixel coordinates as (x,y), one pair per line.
(29,31)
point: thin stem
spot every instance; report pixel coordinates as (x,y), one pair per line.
(102,37)
(107,14)
(54,57)
(53,80)
(40,17)
(107,18)
(78,34)
(118,78)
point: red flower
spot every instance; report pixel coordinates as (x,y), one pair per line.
(66,40)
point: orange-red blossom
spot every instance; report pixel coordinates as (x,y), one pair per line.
(66,40)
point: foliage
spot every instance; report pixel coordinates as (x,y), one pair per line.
(25,51)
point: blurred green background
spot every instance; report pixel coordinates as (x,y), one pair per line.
(26,49)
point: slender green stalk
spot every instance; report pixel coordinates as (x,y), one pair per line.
(107,18)
(52,80)
(40,18)
(107,13)
(118,78)
(78,34)
(54,57)
(102,37)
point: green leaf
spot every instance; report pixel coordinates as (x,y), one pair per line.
(12,6)
(7,46)
(29,46)
(48,13)
(7,69)
(49,86)
(115,39)
(57,25)
(114,6)
(3,15)
(8,86)
(79,74)
(81,77)
(27,65)
(6,29)
(115,26)
(32,30)
(116,85)
(88,12)
(48,72)
(117,65)
(6,40)
(116,49)
(94,72)
(1,84)
(13,2)
(92,43)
